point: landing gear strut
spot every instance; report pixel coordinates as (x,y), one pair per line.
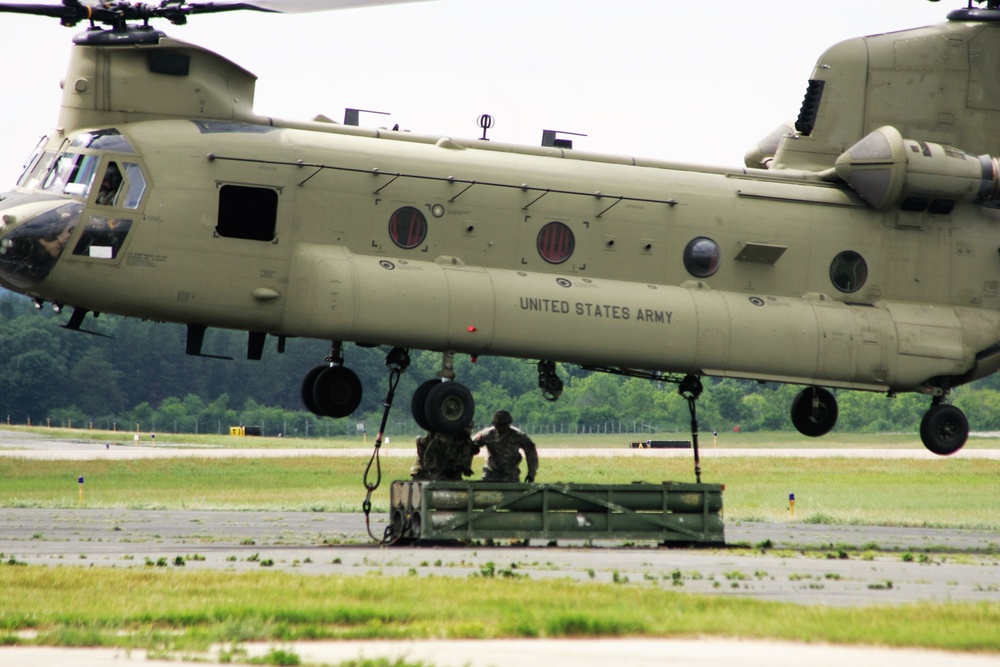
(944,428)
(332,389)
(814,412)
(690,388)
(441,404)
(548,381)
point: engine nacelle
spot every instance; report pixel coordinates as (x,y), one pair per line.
(887,170)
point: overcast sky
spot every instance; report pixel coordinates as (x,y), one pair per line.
(687,81)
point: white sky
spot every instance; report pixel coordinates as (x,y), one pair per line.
(690,81)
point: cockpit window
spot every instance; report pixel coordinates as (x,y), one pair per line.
(102,237)
(111,185)
(72,174)
(35,169)
(136,185)
(103,140)
(29,251)
(122,185)
(32,163)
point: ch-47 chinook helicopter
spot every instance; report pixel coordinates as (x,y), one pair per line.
(856,249)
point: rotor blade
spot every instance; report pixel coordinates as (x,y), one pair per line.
(69,11)
(288,6)
(113,13)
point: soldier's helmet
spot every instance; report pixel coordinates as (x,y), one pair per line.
(502,418)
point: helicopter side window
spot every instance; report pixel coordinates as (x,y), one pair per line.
(102,237)
(122,185)
(555,242)
(702,257)
(407,227)
(247,212)
(136,185)
(848,271)
(111,185)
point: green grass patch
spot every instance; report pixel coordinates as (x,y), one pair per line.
(951,492)
(180,610)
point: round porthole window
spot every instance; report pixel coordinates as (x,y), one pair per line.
(848,271)
(555,242)
(407,227)
(702,257)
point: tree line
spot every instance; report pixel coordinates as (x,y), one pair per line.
(135,374)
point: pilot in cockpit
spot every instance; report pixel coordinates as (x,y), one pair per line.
(110,186)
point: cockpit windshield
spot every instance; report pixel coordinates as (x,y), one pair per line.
(71,174)
(29,251)
(108,139)
(72,170)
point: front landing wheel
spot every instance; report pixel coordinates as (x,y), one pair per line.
(337,392)
(449,407)
(944,429)
(814,411)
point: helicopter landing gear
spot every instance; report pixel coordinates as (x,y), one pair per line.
(944,428)
(442,404)
(814,412)
(332,390)
(548,381)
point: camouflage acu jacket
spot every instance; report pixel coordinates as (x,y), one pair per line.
(444,456)
(504,454)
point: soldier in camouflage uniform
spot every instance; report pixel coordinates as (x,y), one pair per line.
(444,457)
(503,444)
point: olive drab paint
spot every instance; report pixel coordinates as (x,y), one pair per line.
(856,249)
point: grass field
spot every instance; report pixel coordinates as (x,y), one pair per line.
(937,493)
(176,612)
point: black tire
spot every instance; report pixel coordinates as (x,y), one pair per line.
(449,407)
(337,392)
(418,405)
(307,390)
(814,421)
(944,429)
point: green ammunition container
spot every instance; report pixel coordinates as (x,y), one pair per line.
(668,512)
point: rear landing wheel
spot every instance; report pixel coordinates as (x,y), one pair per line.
(944,429)
(814,412)
(418,406)
(307,389)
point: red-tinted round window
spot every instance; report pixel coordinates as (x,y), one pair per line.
(408,227)
(555,242)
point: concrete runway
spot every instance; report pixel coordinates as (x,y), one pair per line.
(804,566)
(808,564)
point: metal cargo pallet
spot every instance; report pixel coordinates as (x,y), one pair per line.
(667,512)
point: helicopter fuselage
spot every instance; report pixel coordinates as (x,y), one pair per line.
(189,208)
(490,250)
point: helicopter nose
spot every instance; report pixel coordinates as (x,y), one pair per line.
(33,236)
